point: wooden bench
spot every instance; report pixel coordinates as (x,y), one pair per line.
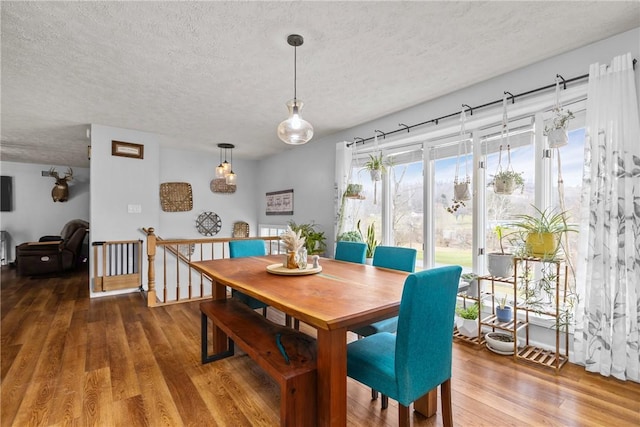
(287,355)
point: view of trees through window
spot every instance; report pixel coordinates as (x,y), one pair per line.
(402,188)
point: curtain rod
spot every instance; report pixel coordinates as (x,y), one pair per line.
(512,97)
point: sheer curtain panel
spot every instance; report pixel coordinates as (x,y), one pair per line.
(608,271)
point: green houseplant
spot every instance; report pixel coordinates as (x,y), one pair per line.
(315,241)
(500,264)
(467,320)
(376,167)
(350,236)
(507,181)
(370,240)
(556,129)
(542,232)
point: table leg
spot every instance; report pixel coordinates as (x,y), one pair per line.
(219,339)
(332,377)
(427,405)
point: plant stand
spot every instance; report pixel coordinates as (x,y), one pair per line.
(522,267)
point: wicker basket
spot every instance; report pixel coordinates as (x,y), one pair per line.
(176,197)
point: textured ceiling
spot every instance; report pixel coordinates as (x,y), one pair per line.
(202,73)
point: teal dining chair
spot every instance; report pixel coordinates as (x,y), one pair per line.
(245,248)
(351,252)
(396,258)
(407,365)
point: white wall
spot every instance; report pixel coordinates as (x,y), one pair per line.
(309,169)
(35,214)
(198,169)
(117,182)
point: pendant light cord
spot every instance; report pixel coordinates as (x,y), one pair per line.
(295,72)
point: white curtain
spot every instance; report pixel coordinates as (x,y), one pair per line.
(608,271)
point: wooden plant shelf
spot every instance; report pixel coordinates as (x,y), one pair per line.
(537,355)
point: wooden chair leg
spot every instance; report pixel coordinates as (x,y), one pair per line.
(403,416)
(296,324)
(385,401)
(264,311)
(445,397)
(287,320)
(374,394)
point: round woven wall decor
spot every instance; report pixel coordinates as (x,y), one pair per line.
(208,223)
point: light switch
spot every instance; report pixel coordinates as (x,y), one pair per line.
(134,209)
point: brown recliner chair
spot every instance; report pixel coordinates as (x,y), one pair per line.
(52,254)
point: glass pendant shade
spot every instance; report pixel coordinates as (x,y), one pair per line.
(226,168)
(231,178)
(220,171)
(295,130)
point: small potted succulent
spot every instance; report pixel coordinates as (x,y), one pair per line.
(354,191)
(467,320)
(504,313)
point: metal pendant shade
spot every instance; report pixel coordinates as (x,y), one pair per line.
(295,130)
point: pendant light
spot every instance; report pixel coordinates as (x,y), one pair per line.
(231,177)
(223,170)
(295,130)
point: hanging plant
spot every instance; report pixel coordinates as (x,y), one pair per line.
(354,191)
(375,166)
(556,129)
(506,180)
(461,186)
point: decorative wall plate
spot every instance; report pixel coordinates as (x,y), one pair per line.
(208,223)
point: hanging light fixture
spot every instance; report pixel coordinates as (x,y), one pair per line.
(230,177)
(223,170)
(295,130)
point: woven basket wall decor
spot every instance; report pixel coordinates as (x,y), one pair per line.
(176,197)
(219,185)
(240,229)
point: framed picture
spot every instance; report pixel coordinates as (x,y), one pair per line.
(127,149)
(280,202)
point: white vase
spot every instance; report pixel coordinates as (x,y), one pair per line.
(376,175)
(467,327)
(461,191)
(500,265)
(557,138)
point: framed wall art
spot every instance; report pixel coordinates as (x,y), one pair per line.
(127,149)
(280,202)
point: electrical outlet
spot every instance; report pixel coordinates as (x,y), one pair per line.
(135,209)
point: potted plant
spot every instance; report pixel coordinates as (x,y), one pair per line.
(500,264)
(556,130)
(542,232)
(315,241)
(467,320)
(376,167)
(370,240)
(507,181)
(354,191)
(503,311)
(350,236)
(472,280)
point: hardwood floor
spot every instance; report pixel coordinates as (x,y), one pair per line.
(69,360)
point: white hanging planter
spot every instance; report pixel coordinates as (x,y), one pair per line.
(461,191)
(376,175)
(557,138)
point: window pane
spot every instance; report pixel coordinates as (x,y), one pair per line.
(501,208)
(367,208)
(407,207)
(452,220)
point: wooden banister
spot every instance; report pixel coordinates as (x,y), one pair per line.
(209,248)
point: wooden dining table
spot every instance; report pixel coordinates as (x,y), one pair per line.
(342,297)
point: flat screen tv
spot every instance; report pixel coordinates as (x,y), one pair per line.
(6,193)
